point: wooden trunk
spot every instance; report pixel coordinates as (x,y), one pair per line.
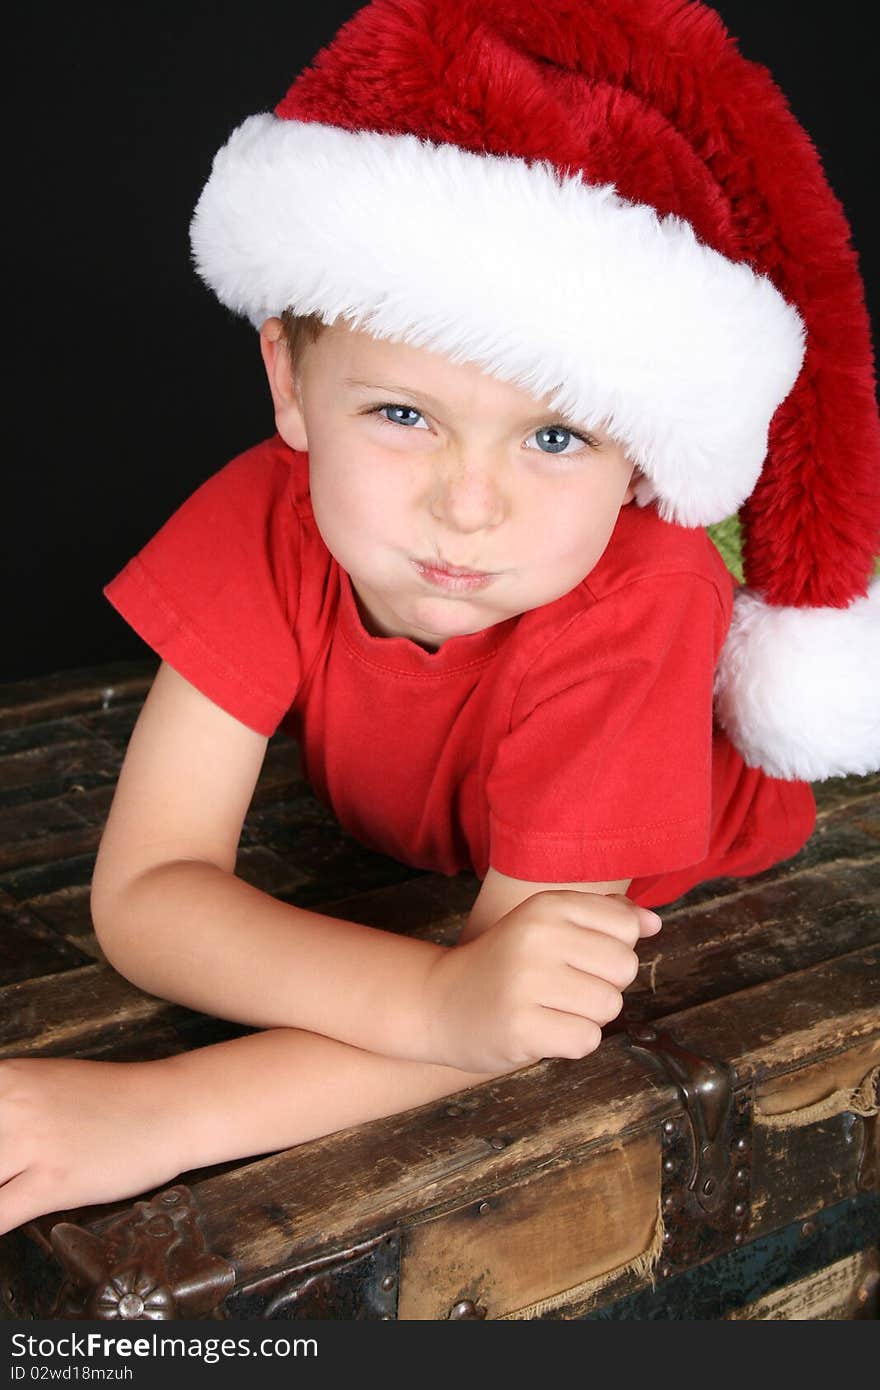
(717,1157)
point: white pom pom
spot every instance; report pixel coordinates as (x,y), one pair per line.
(797,690)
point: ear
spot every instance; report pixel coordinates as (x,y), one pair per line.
(289,419)
(629,495)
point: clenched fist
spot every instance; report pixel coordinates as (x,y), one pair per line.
(540,982)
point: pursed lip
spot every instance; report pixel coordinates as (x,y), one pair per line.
(455,571)
(452,579)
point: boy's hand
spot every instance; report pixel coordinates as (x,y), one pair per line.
(75,1132)
(540,982)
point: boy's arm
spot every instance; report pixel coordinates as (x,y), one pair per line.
(172,917)
(77,1132)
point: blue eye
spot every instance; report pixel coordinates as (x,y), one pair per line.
(399,414)
(554,439)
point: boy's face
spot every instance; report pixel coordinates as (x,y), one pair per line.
(418,466)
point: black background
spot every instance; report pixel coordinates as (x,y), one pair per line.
(128,384)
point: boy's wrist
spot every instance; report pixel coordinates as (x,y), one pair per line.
(408,1028)
(205,1121)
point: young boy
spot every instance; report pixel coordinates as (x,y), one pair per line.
(469,573)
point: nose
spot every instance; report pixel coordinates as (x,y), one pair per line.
(467,493)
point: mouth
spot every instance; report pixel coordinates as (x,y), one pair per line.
(452,577)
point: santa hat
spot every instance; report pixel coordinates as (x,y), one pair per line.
(603,201)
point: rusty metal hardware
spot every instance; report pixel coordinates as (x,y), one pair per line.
(706,1153)
(467,1308)
(359,1282)
(149,1263)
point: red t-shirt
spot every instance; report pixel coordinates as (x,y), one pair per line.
(574,743)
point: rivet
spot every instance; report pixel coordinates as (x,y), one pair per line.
(171,1198)
(738,1238)
(668,1166)
(741,1145)
(668,1203)
(668,1127)
(454,1110)
(668,1237)
(483,1208)
(739,1210)
(808,1229)
(709,1186)
(466,1308)
(666,1270)
(388,1282)
(742,1174)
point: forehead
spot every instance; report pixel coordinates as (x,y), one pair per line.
(349,356)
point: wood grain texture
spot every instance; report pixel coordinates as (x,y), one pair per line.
(844,1290)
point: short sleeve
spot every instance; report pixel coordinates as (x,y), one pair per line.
(215,591)
(606,770)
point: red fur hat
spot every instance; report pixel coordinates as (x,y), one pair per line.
(604,201)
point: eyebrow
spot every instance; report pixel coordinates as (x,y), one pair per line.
(387,386)
(538,418)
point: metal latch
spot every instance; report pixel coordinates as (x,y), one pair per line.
(706,1164)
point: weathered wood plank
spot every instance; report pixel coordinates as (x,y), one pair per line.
(73,871)
(55,796)
(38,774)
(761,931)
(53,732)
(62,693)
(91,1011)
(69,1014)
(68,913)
(29,948)
(784,1023)
(846,1289)
(39,833)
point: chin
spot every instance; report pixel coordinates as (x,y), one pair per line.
(452,618)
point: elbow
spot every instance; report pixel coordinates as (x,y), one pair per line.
(109,924)
(107,939)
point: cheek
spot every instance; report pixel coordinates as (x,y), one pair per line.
(354,496)
(573,529)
